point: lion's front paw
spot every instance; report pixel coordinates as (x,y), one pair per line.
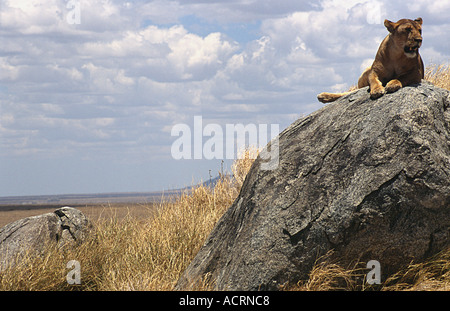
(393,86)
(377,92)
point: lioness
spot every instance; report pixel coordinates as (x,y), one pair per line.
(396,64)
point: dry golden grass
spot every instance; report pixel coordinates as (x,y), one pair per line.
(327,274)
(145,253)
(439,75)
(431,275)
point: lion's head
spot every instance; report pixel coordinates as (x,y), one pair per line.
(407,34)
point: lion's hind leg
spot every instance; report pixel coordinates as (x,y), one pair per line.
(364,78)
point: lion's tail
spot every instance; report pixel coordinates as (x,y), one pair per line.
(330,97)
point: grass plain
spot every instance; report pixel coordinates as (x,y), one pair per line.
(95,212)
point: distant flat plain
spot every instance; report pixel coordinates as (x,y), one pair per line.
(94,206)
(94,212)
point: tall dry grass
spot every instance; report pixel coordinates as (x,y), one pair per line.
(431,275)
(439,75)
(329,275)
(136,254)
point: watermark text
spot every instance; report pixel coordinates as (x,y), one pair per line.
(212,141)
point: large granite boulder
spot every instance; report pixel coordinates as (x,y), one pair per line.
(369,179)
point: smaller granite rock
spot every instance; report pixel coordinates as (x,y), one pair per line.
(32,234)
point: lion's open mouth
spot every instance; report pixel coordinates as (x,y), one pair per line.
(411,50)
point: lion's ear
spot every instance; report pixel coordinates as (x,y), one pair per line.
(389,25)
(419,20)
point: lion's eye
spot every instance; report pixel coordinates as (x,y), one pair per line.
(408,29)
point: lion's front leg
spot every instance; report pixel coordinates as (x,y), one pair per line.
(376,87)
(393,86)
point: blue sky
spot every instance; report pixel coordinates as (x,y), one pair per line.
(88,107)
